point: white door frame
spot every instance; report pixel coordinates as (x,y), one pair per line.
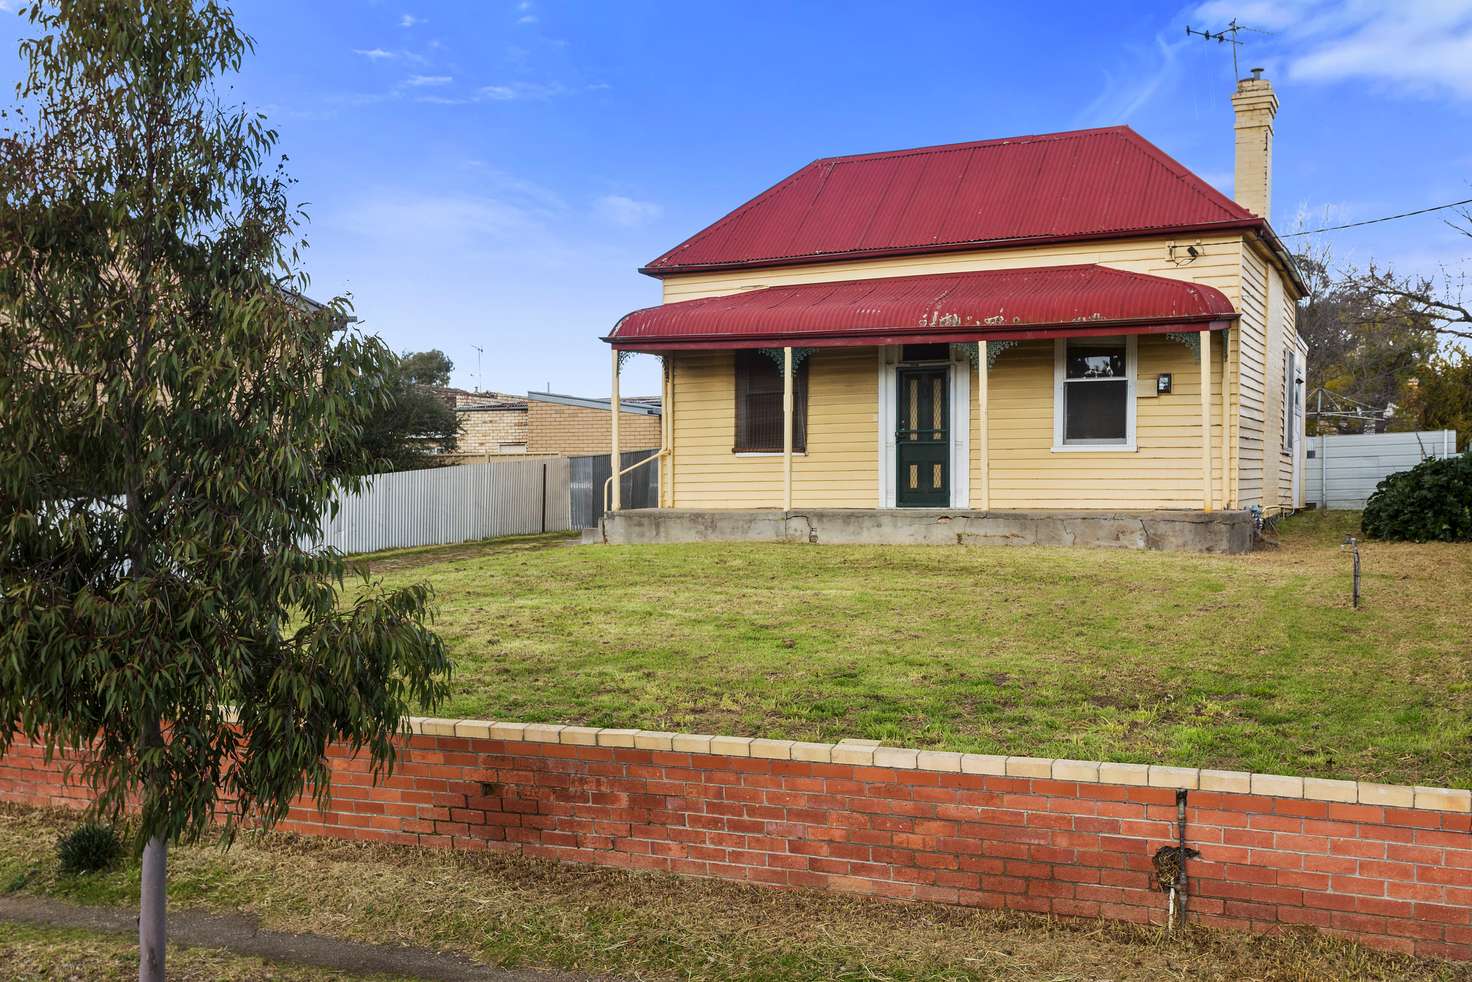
(959,384)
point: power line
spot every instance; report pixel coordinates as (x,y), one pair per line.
(1387,218)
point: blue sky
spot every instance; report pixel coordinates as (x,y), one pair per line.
(492,172)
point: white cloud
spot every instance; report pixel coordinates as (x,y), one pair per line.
(374,54)
(507,220)
(423,81)
(1119,100)
(449,220)
(625,211)
(513,91)
(409,20)
(1418,48)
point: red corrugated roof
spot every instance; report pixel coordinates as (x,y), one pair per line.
(1050,301)
(1078,185)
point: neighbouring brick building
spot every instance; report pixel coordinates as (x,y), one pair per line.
(490,422)
(559,424)
(497,424)
(492,429)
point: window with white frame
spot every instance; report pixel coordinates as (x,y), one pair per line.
(1094,394)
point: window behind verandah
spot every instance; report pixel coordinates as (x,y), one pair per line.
(759,404)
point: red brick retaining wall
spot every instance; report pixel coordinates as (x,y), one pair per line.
(1394,877)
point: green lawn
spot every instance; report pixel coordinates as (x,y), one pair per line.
(1247,662)
(506,910)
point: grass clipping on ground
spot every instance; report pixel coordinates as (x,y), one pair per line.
(1253,662)
(511,911)
(79,956)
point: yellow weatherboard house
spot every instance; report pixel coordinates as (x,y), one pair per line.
(1065,338)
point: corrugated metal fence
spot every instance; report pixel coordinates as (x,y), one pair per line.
(638,489)
(1350,466)
(453,504)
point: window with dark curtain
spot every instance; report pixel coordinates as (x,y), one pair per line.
(759,404)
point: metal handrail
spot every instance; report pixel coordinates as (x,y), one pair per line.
(608,484)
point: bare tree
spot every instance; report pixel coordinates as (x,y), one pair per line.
(1442,309)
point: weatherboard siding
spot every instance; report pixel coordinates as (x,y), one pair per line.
(840,468)
(1277,459)
(1252,328)
(1164,470)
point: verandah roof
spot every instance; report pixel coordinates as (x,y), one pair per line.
(985,305)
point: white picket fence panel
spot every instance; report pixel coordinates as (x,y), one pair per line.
(1350,466)
(445,505)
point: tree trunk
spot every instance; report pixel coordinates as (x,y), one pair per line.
(152,900)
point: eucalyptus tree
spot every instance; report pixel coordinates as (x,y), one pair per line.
(173,421)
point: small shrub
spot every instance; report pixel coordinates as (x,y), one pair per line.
(1431,502)
(89,848)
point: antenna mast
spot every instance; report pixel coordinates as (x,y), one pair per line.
(1227,35)
(479,381)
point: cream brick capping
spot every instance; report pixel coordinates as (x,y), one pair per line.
(869,753)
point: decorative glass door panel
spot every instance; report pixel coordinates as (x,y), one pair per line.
(922,441)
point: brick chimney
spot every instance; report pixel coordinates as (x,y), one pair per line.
(1256,105)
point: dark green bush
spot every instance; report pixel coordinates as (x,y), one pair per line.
(1431,502)
(89,848)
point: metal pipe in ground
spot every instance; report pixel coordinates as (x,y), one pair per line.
(1179,893)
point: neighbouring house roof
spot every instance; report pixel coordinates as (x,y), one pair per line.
(639,405)
(518,406)
(307,305)
(1084,184)
(463,399)
(1003,304)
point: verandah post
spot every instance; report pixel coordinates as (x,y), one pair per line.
(1206,420)
(1227,486)
(667,422)
(786,429)
(613,455)
(982,371)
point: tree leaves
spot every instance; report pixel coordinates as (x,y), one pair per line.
(174,418)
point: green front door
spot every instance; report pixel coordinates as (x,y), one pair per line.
(922,443)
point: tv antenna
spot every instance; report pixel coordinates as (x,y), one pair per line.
(1227,35)
(479,381)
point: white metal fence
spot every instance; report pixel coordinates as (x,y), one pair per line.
(453,504)
(1342,471)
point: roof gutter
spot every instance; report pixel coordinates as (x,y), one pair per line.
(898,335)
(1286,262)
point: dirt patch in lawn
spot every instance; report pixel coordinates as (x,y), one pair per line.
(397,560)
